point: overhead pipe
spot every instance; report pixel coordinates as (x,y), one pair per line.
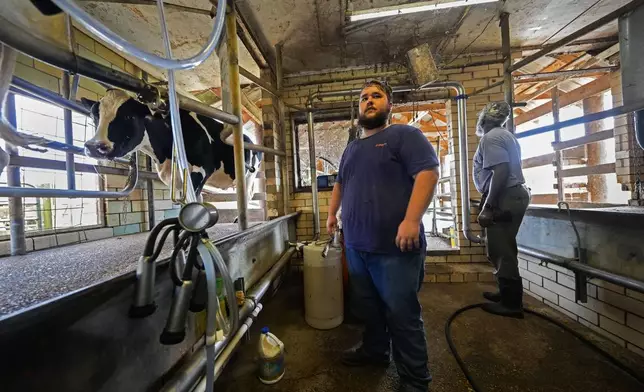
(105,34)
(314,173)
(633,5)
(31,45)
(576,266)
(461,102)
(282,121)
(189,374)
(631,37)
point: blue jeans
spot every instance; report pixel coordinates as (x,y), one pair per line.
(384,295)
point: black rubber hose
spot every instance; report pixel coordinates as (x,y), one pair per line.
(161,242)
(152,237)
(191,260)
(173,259)
(583,339)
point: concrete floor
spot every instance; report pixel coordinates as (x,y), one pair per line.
(538,357)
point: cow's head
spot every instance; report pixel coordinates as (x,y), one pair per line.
(120,125)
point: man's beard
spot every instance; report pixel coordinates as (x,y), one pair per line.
(374,122)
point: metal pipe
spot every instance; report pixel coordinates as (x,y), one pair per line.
(558,165)
(578,34)
(314,179)
(39,163)
(198,107)
(230,348)
(186,377)
(29,44)
(69,132)
(631,37)
(584,119)
(177,133)
(105,34)
(569,74)
(169,6)
(576,266)
(261,83)
(232,51)
(48,96)
(282,122)
(16,213)
(13,191)
(508,87)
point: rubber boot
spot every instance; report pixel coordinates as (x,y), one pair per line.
(494,297)
(511,304)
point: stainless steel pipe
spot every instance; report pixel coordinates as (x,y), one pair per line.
(576,266)
(314,172)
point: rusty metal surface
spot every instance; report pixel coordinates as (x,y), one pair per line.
(86,342)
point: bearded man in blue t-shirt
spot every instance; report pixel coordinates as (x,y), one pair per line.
(385,183)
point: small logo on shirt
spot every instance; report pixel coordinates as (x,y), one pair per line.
(381,144)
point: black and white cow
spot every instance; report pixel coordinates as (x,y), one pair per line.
(125,125)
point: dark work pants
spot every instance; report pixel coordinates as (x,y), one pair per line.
(502,236)
(384,295)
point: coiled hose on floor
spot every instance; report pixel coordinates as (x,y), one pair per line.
(583,339)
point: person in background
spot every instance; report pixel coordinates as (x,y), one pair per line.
(498,176)
(385,183)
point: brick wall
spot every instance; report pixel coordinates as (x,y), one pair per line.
(121,216)
(611,310)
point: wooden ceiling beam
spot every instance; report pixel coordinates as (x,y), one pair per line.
(593,88)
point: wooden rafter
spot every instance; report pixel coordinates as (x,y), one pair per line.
(583,92)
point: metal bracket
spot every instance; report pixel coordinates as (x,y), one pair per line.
(581,292)
(581,289)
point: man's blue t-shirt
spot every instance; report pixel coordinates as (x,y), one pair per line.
(377,177)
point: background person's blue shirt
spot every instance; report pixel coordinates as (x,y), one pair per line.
(376,176)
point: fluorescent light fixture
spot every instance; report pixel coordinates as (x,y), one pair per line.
(412,8)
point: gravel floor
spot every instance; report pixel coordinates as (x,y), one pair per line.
(42,275)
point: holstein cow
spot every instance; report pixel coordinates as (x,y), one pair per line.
(125,125)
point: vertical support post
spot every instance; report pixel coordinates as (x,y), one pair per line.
(282,127)
(558,163)
(69,132)
(508,83)
(149,183)
(230,79)
(595,152)
(314,179)
(16,212)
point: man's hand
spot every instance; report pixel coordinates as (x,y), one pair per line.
(486,217)
(331,224)
(408,235)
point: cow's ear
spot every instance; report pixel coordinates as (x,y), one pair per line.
(88,103)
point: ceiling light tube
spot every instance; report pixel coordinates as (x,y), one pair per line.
(412,8)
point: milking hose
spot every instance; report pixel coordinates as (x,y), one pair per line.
(583,339)
(209,252)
